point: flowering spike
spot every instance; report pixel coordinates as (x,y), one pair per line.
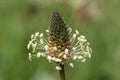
(61,45)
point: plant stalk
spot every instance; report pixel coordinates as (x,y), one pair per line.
(62,72)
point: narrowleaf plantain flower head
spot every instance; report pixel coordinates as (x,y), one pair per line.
(61,46)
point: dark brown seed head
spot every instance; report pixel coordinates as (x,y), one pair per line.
(58,34)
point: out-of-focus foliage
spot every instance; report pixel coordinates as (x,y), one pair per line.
(99,20)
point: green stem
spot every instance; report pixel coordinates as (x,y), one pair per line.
(62,72)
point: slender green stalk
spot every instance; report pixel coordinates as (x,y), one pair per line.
(62,72)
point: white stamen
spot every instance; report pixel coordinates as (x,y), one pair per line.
(58,67)
(74,49)
(83,37)
(74,57)
(28,46)
(47,30)
(74,35)
(80,49)
(77,43)
(30,43)
(45,41)
(53,58)
(78,52)
(66,51)
(88,43)
(41,35)
(58,60)
(78,38)
(36,34)
(41,41)
(89,55)
(43,55)
(90,50)
(34,47)
(32,36)
(77,32)
(65,56)
(71,64)
(77,47)
(29,56)
(38,54)
(80,57)
(85,54)
(46,47)
(49,58)
(83,40)
(60,54)
(83,60)
(73,39)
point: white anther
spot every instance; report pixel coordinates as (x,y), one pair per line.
(80,57)
(49,58)
(35,44)
(74,57)
(74,35)
(85,54)
(87,48)
(28,46)
(83,40)
(88,43)
(53,58)
(46,47)
(32,36)
(83,37)
(71,64)
(55,48)
(60,54)
(77,32)
(41,41)
(47,30)
(83,60)
(37,33)
(38,54)
(90,50)
(66,51)
(78,38)
(29,56)
(41,34)
(74,49)
(58,68)
(34,47)
(89,55)
(58,60)
(43,55)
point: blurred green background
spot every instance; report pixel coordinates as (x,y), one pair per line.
(98,20)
